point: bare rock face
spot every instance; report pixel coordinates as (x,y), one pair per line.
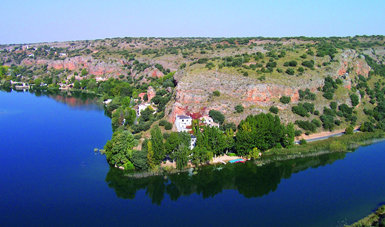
(93,66)
(351,62)
(261,94)
(194,94)
(156,73)
(150,93)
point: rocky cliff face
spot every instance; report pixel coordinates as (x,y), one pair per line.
(93,66)
(194,92)
(352,63)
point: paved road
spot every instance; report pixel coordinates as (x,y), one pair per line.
(325,137)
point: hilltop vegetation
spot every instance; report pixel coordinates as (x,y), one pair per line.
(308,85)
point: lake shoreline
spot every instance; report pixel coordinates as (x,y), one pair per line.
(376,218)
(268,157)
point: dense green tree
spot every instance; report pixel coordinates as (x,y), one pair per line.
(157,144)
(213,139)
(150,155)
(349,130)
(3,72)
(217,116)
(288,138)
(307,125)
(263,131)
(333,105)
(309,64)
(292,63)
(122,116)
(76,84)
(84,72)
(181,156)
(367,127)
(229,139)
(290,71)
(285,99)
(226,126)
(139,160)
(355,100)
(327,121)
(239,108)
(168,126)
(274,109)
(174,140)
(146,115)
(119,148)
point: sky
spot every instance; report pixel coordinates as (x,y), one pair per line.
(31,21)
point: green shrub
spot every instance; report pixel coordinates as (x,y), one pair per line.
(355,99)
(303,109)
(168,126)
(217,116)
(290,71)
(349,130)
(328,95)
(285,99)
(239,108)
(306,94)
(297,132)
(301,69)
(337,146)
(254,153)
(306,125)
(292,63)
(128,166)
(274,109)
(162,122)
(309,64)
(210,65)
(302,142)
(216,93)
(316,122)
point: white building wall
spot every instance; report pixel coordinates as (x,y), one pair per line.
(181,123)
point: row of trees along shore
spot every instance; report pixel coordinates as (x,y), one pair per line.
(256,133)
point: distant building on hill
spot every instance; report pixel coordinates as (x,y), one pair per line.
(142,107)
(208,121)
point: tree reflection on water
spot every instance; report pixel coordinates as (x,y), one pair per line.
(247,178)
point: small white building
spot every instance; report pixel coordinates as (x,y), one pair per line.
(208,121)
(193,141)
(181,123)
(108,101)
(142,107)
(99,78)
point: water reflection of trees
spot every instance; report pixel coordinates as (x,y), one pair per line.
(248,179)
(74,99)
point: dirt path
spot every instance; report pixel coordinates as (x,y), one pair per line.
(320,135)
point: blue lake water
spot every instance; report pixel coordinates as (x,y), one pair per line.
(50,176)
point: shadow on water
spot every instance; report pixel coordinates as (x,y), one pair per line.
(248,179)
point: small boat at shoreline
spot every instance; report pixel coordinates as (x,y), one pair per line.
(237,160)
